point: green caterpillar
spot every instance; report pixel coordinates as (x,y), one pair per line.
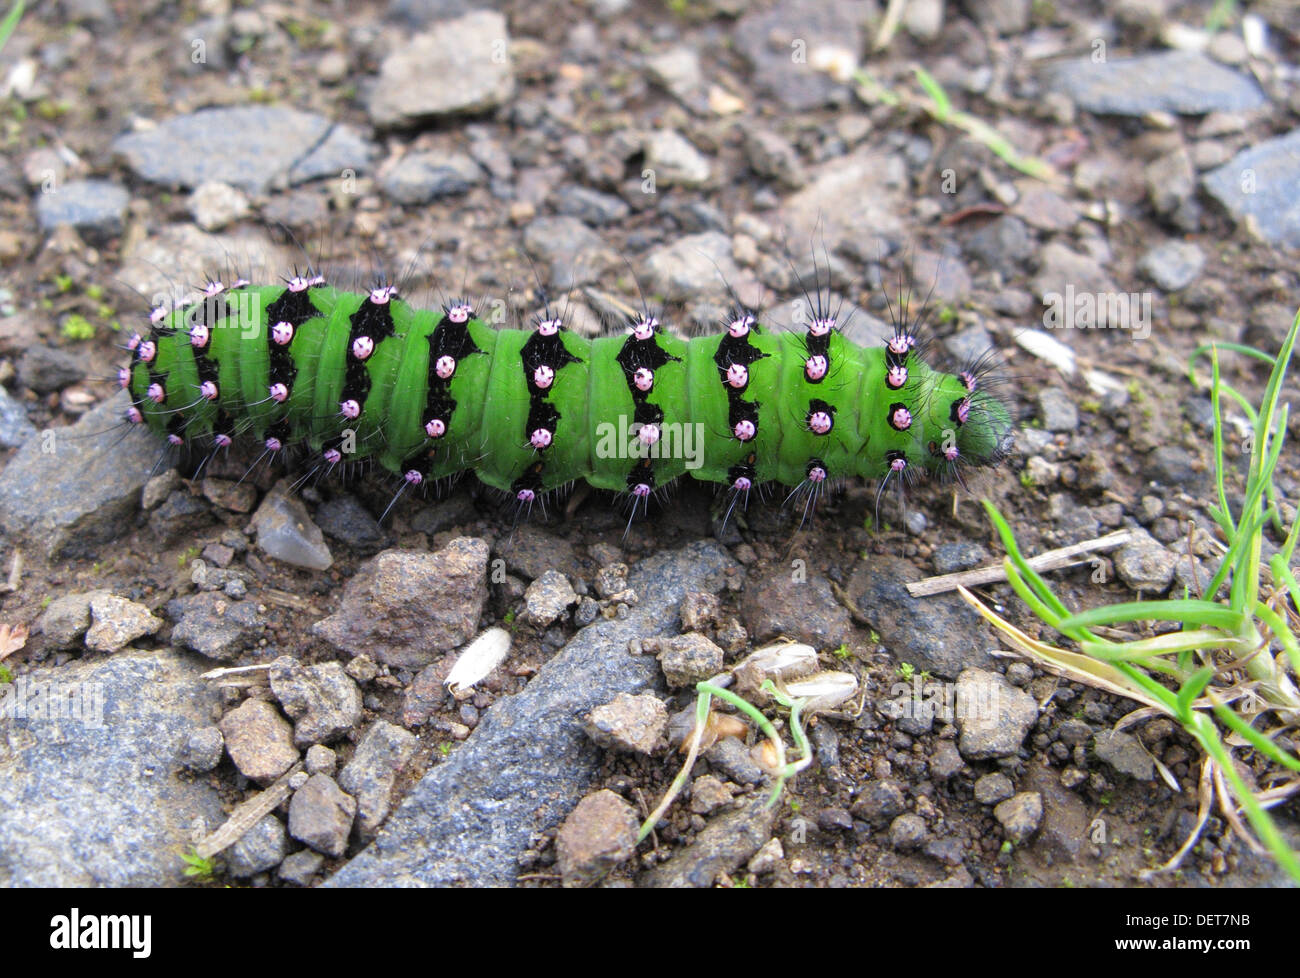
(356,376)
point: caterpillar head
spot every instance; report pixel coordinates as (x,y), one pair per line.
(975,427)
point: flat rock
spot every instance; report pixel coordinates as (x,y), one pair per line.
(598,835)
(529,761)
(322,699)
(1184,82)
(474,72)
(94,802)
(863,190)
(1257,186)
(253,148)
(382,753)
(801,608)
(95,206)
(405,607)
(939,634)
(788,44)
(993,716)
(726,843)
(259,740)
(321,814)
(214,625)
(71,491)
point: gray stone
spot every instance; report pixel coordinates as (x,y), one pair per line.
(345,519)
(855,200)
(688,659)
(1171,182)
(784,43)
(708,794)
(733,759)
(1004,16)
(693,264)
(1145,565)
(405,607)
(677,71)
(250,147)
(938,634)
(47,368)
(599,834)
(528,760)
(203,749)
(320,759)
(286,532)
(474,72)
(322,699)
(380,757)
(421,177)
(993,788)
(1257,187)
(90,206)
(673,160)
(993,716)
(259,740)
(805,610)
(1184,82)
(73,500)
(320,814)
(637,724)
(1125,754)
(879,802)
(14,426)
(547,598)
(907,832)
(590,206)
(117,622)
(301,867)
(946,760)
(259,849)
(958,556)
(94,802)
(1057,411)
(215,205)
(1173,265)
(66,619)
(531,551)
(214,625)
(1020,815)
(726,843)
(1005,244)
(574,254)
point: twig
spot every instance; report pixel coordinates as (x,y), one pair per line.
(1049,560)
(15,574)
(1203,814)
(246,815)
(232,670)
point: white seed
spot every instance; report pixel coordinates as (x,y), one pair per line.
(784,660)
(480,657)
(824,691)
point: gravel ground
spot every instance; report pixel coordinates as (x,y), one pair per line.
(473,149)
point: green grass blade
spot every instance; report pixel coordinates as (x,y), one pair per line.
(1189,612)
(10,23)
(942,104)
